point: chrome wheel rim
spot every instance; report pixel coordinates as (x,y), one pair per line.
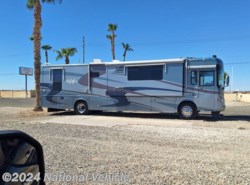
(187,111)
(81,108)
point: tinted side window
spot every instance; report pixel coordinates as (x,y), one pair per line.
(194,77)
(57,79)
(97,70)
(145,73)
(94,74)
(206,78)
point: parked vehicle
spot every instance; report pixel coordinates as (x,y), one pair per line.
(183,85)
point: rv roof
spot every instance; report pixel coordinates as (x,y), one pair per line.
(140,61)
(62,65)
(174,60)
(122,62)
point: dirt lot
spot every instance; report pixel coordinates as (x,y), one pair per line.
(148,148)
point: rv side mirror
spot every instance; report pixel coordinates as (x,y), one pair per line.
(21,159)
(226,81)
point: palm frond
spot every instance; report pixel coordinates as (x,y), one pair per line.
(51,1)
(72,51)
(112,27)
(48,1)
(127,47)
(31,38)
(46,47)
(59,54)
(30,4)
(65,52)
(109,37)
(123,45)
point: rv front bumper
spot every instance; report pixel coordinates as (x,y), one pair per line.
(220,104)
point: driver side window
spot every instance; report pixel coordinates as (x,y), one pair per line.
(194,79)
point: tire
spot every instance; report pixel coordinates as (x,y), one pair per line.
(81,108)
(215,114)
(187,110)
(97,111)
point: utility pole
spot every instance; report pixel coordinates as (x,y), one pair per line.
(83,50)
(26,87)
(232,81)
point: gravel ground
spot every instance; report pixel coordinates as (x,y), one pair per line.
(17,102)
(148,148)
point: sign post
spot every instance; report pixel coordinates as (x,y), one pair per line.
(27,72)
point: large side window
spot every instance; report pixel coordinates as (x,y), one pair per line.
(145,72)
(206,78)
(57,79)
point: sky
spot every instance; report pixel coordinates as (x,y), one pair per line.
(155,29)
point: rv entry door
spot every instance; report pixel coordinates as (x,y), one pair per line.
(98,87)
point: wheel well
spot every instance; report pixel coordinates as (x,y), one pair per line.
(80,101)
(186,102)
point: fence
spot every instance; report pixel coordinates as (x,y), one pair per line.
(16,94)
(237,97)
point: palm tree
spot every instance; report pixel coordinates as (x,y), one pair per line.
(36,5)
(112,28)
(65,53)
(126,48)
(46,48)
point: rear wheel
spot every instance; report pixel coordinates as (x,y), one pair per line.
(215,114)
(81,108)
(187,110)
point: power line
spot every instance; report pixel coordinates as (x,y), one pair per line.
(152,43)
(167,42)
(187,41)
(14,55)
(236,63)
(190,41)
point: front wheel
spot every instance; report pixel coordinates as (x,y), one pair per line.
(187,110)
(215,114)
(81,108)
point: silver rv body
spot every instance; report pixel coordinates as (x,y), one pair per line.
(145,86)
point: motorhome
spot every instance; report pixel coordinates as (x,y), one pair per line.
(183,85)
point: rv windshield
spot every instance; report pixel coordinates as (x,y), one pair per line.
(220,75)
